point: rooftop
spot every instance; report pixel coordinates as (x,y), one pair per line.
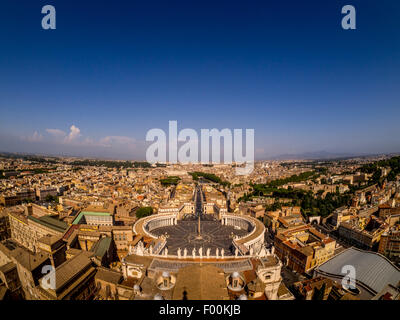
(89,213)
(51,223)
(108,275)
(372,269)
(192,282)
(70,268)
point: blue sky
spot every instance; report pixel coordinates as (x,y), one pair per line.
(112,70)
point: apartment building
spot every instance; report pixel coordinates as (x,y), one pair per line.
(389,245)
(362,232)
(302,248)
(27,230)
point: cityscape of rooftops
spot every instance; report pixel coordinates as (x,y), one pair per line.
(200,150)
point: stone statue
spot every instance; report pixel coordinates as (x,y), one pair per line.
(140,249)
(166,251)
(263,252)
(151,249)
(222,252)
(217,252)
(272,250)
(251,251)
(194,253)
(208,252)
(201,252)
(179,253)
(185,253)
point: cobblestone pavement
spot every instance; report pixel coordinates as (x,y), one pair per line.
(214,235)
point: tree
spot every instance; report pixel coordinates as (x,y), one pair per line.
(50,198)
(144,212)
(170,181)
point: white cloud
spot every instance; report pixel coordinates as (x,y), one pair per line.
(56,133)
(62,137)
(36,137)
(110,140)
(75,139)
(73,135)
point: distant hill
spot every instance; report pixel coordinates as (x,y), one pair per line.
(316,155)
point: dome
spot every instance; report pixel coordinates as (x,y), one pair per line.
(165,274)
(235,274)
(242,297)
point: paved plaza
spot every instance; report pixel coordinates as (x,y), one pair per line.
(213,235)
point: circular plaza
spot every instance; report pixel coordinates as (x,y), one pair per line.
(212,235)
(231,235)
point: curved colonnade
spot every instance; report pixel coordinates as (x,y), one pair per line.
(249,244)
